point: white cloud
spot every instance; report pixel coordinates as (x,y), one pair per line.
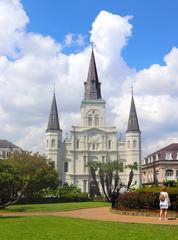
(68,39)
(26,83)
(13,20)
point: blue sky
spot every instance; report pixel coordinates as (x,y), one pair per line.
(154,24)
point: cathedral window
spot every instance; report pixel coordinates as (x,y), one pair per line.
(84,185)
(78,143)
(96,120)
(66,167)
(109,144)
(84,164)
(90,120)
(134,143)
(53,143)
(93,146)
(128,144)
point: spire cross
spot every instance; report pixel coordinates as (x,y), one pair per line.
(54,85)
(132,90)
(92,45)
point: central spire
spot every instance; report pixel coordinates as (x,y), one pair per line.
(92,85)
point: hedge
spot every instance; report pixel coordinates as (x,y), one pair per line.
(144,200)
(70,197)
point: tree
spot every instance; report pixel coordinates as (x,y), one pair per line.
(40,172)
(12,184)
(131,174)
(94,187)
(108,173)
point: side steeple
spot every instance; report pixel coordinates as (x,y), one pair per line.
(133,125)
(53,122)
(92,85)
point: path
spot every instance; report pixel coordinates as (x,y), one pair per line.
(102,213)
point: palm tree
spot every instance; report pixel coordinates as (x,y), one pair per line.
(93,166)
(131,174)
(108,172)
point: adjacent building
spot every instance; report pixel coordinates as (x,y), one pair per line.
(7,148)
(92,140)
(161,165)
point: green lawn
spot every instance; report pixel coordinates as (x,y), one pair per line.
(53,206)
(60,228)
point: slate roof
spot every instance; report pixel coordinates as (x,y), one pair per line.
(7,144)
(133,125)
(92,85)
(53,122)
(173,147)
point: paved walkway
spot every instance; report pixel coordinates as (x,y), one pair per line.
(102,213)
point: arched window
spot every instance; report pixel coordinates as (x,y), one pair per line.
(128,144)
(78,143)
(96,120)
(169,174)
(84,164)
(65,166)
(157,175)
(109,144)
(134,143)
(89,120)
(53,143)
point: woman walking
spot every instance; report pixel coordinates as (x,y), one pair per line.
(164,203)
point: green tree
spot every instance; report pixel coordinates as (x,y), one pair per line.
(132,167)
(12,184)
(40,172)
(108,176)
(94,186)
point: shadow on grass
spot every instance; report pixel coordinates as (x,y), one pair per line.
(20,209)
(10,217)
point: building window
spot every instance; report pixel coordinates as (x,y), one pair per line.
(134,143)
(103,159)
(84,186)
(93,146)
(78,143)
(47,143)
(85,142)
(168,156)
(96,120)
(109,144)
(177,174)
(128,144)
(157,175)
(66,167)
(90,120)
(84,164)
(169,174)
(53,143)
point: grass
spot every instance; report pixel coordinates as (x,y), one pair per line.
(50,228)
(53,207)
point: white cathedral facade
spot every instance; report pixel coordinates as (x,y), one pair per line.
(92,140)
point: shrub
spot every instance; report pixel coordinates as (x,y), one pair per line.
(144,200)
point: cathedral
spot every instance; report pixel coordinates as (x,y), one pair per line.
(92,140)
